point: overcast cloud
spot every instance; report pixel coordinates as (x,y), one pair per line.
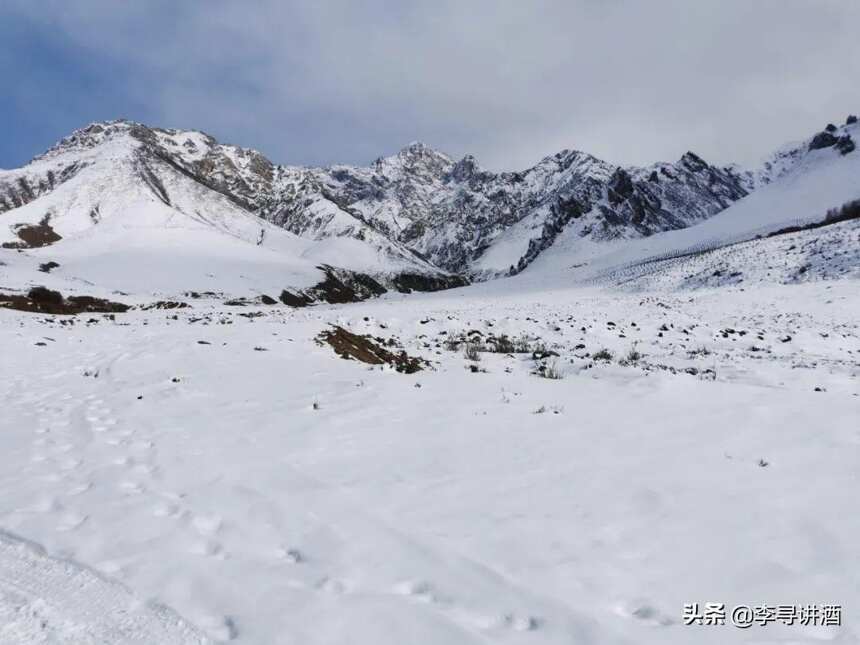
(347,81)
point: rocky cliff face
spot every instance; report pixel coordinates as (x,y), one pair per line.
(453,212)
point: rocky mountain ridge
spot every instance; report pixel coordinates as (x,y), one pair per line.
(420,204)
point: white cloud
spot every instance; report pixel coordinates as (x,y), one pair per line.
(509,82)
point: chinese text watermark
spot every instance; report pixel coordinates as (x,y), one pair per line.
(745,616)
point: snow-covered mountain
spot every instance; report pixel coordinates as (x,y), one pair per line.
(168,200)
(799,186)
(466,219)
(125,207)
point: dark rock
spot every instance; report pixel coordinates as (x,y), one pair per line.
(620,186)
(822,140)
(33,236)
(369,350)
(45,296)
(409,282)
(694,162)
(165,304)
(845,144)
(341,286)
(294,300)
(46,301)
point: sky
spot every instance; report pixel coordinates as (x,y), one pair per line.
(339,81)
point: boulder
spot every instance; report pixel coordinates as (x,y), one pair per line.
(822,140)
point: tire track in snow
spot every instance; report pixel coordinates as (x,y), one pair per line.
(44,599)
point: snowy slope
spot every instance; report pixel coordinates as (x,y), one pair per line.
(268,491)
(801,192)
(125,219)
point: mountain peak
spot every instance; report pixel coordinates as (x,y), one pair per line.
(416,147)
(419,150)
(415,158)
(90,136)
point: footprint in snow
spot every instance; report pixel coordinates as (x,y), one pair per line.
(207,524)
(220,628)
(645,613)
(510,620)
(131,488)
(418,589)
(332,586)
(209,548)
(79,489)
(70,464)
(145,470)
(293,556)
(70,521)
(167,510)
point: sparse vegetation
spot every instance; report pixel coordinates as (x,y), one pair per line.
(551,371)
(502,344)
(451,344)
(633,356)
(472,351)
(603,355)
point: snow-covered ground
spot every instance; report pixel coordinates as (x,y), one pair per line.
(674,419)
(204,473)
